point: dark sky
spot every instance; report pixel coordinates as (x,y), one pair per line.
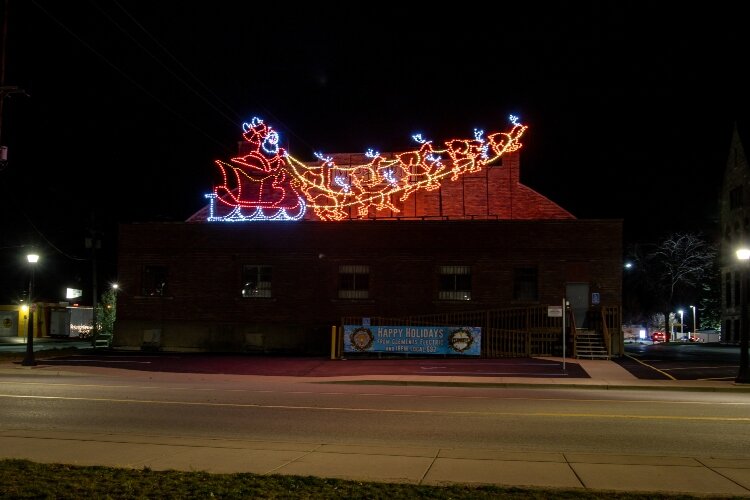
(630,105)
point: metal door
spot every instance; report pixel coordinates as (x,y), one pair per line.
(577,295)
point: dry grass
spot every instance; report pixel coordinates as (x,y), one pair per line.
(25,479)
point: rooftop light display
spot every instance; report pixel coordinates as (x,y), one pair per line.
(269,184)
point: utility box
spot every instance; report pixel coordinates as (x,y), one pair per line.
(151,338)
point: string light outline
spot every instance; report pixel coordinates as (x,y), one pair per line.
(330,189)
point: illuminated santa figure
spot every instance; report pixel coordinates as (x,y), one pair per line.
(257,185)
(269,184)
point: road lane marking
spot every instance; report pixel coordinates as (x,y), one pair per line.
(702,367)
(384,394)
(652,367)
(386,410)
(52,361)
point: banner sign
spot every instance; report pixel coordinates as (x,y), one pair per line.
(8,323)
(464,340)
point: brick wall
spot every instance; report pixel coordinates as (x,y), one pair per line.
(494,192)
(204,264)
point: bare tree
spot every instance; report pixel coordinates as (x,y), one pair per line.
(681,260)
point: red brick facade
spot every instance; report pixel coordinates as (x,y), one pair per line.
(202,307)
(495,192)
(487,223)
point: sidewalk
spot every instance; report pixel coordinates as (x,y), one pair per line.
(696,475)
(429,466)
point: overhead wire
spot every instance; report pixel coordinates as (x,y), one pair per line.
(201,95)
(195,78)
(125,75)
(47,240)
(174,59)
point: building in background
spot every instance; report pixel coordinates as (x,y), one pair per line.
(735,232)
(286,249)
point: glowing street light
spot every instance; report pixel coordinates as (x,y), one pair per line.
(29,359)
(694,323)
(681,323)
(743,376)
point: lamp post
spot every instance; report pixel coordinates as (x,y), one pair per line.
(694,322)
(29,359)
(671,329)
(681,323)
(743,375)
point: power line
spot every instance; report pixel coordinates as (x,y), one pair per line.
(193,76)
(125,75)
(155,58)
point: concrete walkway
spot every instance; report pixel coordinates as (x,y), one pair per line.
(695,475)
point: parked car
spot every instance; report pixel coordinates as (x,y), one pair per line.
(691,338)
(658,337)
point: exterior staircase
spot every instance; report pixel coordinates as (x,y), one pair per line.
(102,340)
(590,345)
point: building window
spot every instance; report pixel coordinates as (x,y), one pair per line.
(728,290)
(735,198)
(525,284)
(154,281)
(256,281)
(726,335)
(736,300)
(354,281)
(455,283)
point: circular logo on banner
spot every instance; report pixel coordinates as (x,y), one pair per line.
(461,339)
(361,339)
(7,323)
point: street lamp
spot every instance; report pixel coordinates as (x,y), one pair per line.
(682,333)
(743,376)
(694,322)
(671,328)
(29,359)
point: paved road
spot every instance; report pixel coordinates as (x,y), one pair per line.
(647,361)
(235,364)
(681,361)
(425,430)
(18,344)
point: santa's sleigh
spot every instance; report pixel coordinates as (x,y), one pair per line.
(269,184)
(249,194)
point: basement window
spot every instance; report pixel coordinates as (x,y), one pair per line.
(256,281)
(525,284)
(154,281)
(354,281)
(735,198)
(455,283)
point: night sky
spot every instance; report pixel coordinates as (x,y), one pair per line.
(630,105)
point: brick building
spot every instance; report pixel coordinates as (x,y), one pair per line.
(478,241)
(735,233)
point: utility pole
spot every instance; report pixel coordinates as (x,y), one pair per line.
(743,375)
(5,90)
(94,243)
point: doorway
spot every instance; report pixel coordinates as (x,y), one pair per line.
(577,294)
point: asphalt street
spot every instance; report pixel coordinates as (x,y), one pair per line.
(645,361)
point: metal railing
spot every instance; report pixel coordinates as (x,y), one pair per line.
(510,332)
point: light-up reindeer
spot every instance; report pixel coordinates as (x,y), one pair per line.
(275,184)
